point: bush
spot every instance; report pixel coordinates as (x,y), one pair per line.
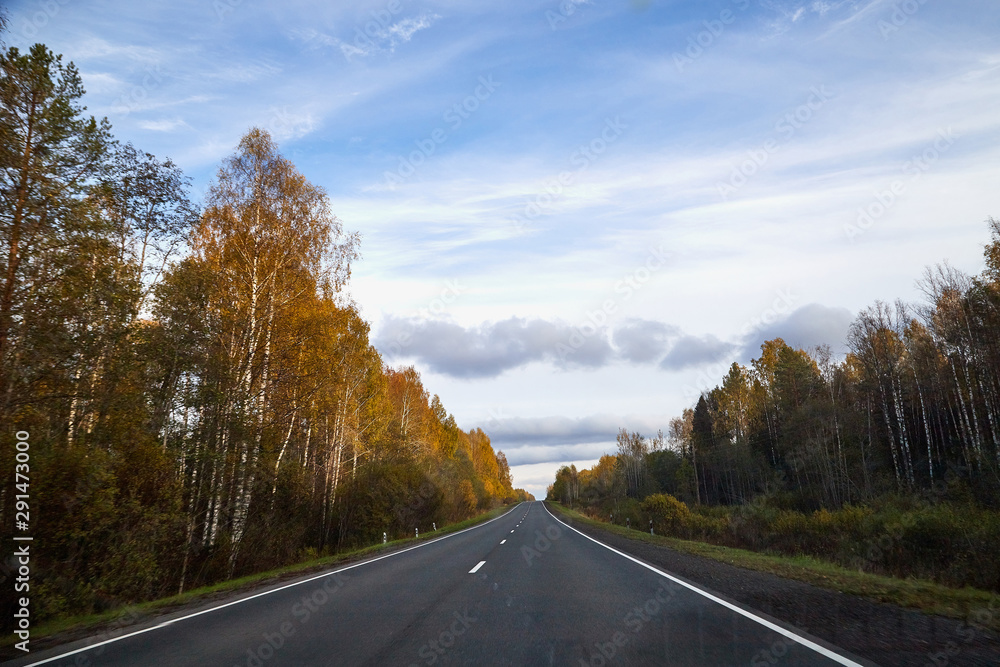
(899,535)
(668,514)
(627,511)
(711,527)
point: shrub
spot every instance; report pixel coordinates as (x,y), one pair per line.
(710,527)
(667,513)
(627,511)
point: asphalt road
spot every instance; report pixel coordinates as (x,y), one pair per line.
(523,589)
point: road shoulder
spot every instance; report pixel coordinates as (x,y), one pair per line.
(884,633)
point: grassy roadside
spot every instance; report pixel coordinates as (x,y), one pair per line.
(922,595)
(118,618)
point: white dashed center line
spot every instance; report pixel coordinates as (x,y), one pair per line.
(502,541)
(476,568)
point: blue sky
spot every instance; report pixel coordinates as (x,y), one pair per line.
(576,214)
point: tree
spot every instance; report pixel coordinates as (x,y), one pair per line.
(503,472)
(632,451)
(146,203)
(50,155)
(271,240)
(703,447)
(876,339)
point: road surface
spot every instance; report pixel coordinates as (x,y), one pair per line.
(522,589)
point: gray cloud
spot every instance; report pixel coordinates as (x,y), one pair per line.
(691,351)
(642,341)
(546,454)
(491,348)
(552,439)
(517,432)
(811,325)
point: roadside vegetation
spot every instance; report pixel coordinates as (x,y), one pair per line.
(886,461)
(950,544)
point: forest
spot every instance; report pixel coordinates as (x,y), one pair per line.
(887,459)
(197,389)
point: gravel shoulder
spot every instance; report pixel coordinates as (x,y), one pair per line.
(885,634)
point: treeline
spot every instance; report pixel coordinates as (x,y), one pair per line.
(913,408)
(886,461)
(200,396)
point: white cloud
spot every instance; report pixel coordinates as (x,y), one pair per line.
(405,29)
(165,125)
(285,124)
(100,82)
(98,48)
(244,72)
(312,38)
(373,38)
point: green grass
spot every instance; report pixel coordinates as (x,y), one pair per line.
(92,622)
(926,596)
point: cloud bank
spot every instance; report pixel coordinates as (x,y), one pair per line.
(492,348)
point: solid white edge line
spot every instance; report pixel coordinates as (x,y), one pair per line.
(836,657)
(476,568)
(267,592)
